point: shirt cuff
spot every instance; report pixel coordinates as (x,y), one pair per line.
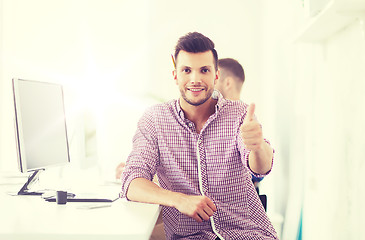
(129,178)
(257,175)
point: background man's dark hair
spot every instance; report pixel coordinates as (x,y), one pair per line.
(231,67)
(194,42)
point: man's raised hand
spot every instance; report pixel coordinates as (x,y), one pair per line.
(251,130)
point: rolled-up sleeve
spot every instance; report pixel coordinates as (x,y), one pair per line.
(144,158)
(245,157)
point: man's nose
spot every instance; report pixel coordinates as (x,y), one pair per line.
(195,78)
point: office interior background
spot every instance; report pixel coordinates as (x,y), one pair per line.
(305,70)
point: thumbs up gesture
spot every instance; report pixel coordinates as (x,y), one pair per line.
(251,130)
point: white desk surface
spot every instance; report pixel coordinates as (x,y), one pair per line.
(31,217)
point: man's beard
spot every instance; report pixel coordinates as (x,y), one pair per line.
(200,102)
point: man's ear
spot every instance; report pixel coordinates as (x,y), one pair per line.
(228,82)
(174,74)
(217,74)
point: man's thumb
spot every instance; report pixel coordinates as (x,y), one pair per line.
(250,112)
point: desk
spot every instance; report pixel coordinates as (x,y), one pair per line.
(30,217)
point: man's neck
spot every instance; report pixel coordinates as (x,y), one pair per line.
(234,96)
(198,114)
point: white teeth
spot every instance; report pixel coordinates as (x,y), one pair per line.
(195,90)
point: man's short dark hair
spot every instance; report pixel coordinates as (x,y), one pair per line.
(232,67)
(194,42)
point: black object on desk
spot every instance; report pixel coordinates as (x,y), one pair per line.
(61,197)
(83,199)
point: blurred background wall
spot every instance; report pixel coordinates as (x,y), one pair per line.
(304,62)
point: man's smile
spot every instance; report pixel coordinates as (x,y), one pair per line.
(196,89)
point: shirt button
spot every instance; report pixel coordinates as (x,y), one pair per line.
(190,125)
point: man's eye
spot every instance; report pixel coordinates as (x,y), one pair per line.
(186,70)
(204,70)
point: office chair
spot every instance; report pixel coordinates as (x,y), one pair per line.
(263,199)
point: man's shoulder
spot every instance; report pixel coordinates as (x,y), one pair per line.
(161,109)
(234,106)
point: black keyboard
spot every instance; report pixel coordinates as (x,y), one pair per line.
(83,200)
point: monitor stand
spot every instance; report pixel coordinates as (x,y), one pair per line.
(32,179)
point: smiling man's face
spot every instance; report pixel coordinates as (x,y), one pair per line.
(196,76)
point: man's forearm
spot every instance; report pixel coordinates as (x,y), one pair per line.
(260,161)
(143,190)
(198,207)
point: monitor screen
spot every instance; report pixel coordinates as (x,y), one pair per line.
(40,125)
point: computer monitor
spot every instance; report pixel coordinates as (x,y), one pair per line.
(40,126)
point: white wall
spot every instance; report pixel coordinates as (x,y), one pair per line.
(315,91)
(279,20)
(333,190)
(1,79)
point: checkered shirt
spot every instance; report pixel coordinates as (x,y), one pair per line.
(213,163)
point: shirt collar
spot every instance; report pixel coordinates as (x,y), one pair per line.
(216,95)
(221,100)
(180,112)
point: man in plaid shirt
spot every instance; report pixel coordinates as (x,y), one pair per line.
(203,149)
